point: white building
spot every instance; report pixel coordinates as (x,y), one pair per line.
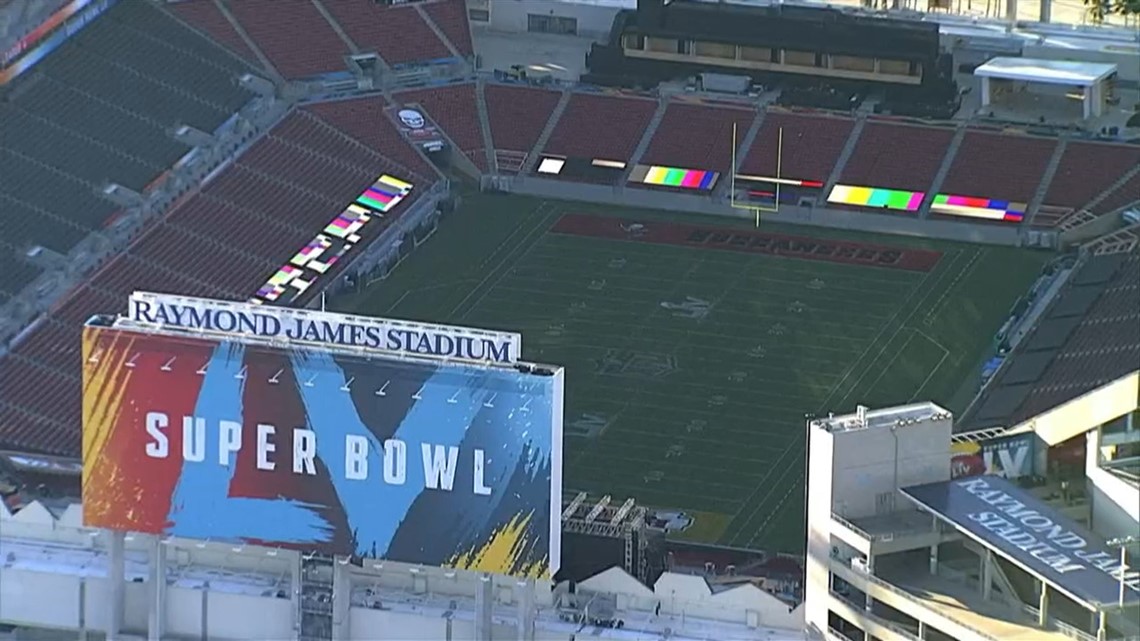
(58,579)
(899,551)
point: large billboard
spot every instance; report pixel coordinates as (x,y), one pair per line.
(1009,457)
(1034,536)
(433,462)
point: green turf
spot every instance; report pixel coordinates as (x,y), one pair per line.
(706,415)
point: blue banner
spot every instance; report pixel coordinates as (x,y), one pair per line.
(1032,535)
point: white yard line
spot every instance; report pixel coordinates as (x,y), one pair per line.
(799,437)
(498,272)
(913,311)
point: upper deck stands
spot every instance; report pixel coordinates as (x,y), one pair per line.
(278,29)
(1126,194)
(811,146)
(221,243)
(1087,169)
(999,166)
(517,115)
(601,126)
(399,33)
(451,18)
(98,110)
(365,120)
(895,156)
(452,107)
(207,17)
(697,136)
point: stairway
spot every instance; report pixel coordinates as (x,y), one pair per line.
(646,138)
(1046,180)
(316,598)
(321,9)
(261,57)
(943,170)
(485,126)
(844,156)
(438,32)
(540,144)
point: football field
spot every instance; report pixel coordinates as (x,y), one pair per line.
(694,347)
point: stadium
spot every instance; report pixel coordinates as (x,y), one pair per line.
(540,319)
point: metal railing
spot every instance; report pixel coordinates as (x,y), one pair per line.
(901,530)
(891,625)
(919,602)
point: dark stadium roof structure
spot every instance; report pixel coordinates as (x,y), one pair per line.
(1088,336)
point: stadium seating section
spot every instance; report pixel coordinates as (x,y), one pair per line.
(364,119)
(896,156)
(694,136)
(276,28)
(96,111)
(206,16)
(517,116)
(222,242)
(452,108)
(1082,363)
(332,29)
(450,16)
(1087,170)
(811,146)
(995,166)
(1127,193)
(601,126)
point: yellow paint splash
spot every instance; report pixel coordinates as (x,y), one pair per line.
(105,384)
(500,554)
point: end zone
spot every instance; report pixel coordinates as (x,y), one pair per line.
(835,251)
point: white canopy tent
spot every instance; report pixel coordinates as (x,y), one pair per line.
(1087,77)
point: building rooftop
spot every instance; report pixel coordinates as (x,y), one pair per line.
(865,418)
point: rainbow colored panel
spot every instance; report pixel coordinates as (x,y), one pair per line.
(348,222)
(315,248)
(681,178)
(385,193)
(975,207)
(876,197)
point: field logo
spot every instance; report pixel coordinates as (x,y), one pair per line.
(625,362)
(588,425)
(635,230)
(670,521)
(691,307)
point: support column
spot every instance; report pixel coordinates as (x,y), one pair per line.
(116,573)
(156,590)
(1043,606)
(934,559)
(868,600)
(526,610)
(921,630)
(986,95)
(484,606)
(295,592)
(1046,11)
(341,601)
(987,574)
(1101,626)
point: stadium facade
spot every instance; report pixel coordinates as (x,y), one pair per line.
(905,545)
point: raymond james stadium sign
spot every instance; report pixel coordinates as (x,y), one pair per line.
(1033,535)
(321,328)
